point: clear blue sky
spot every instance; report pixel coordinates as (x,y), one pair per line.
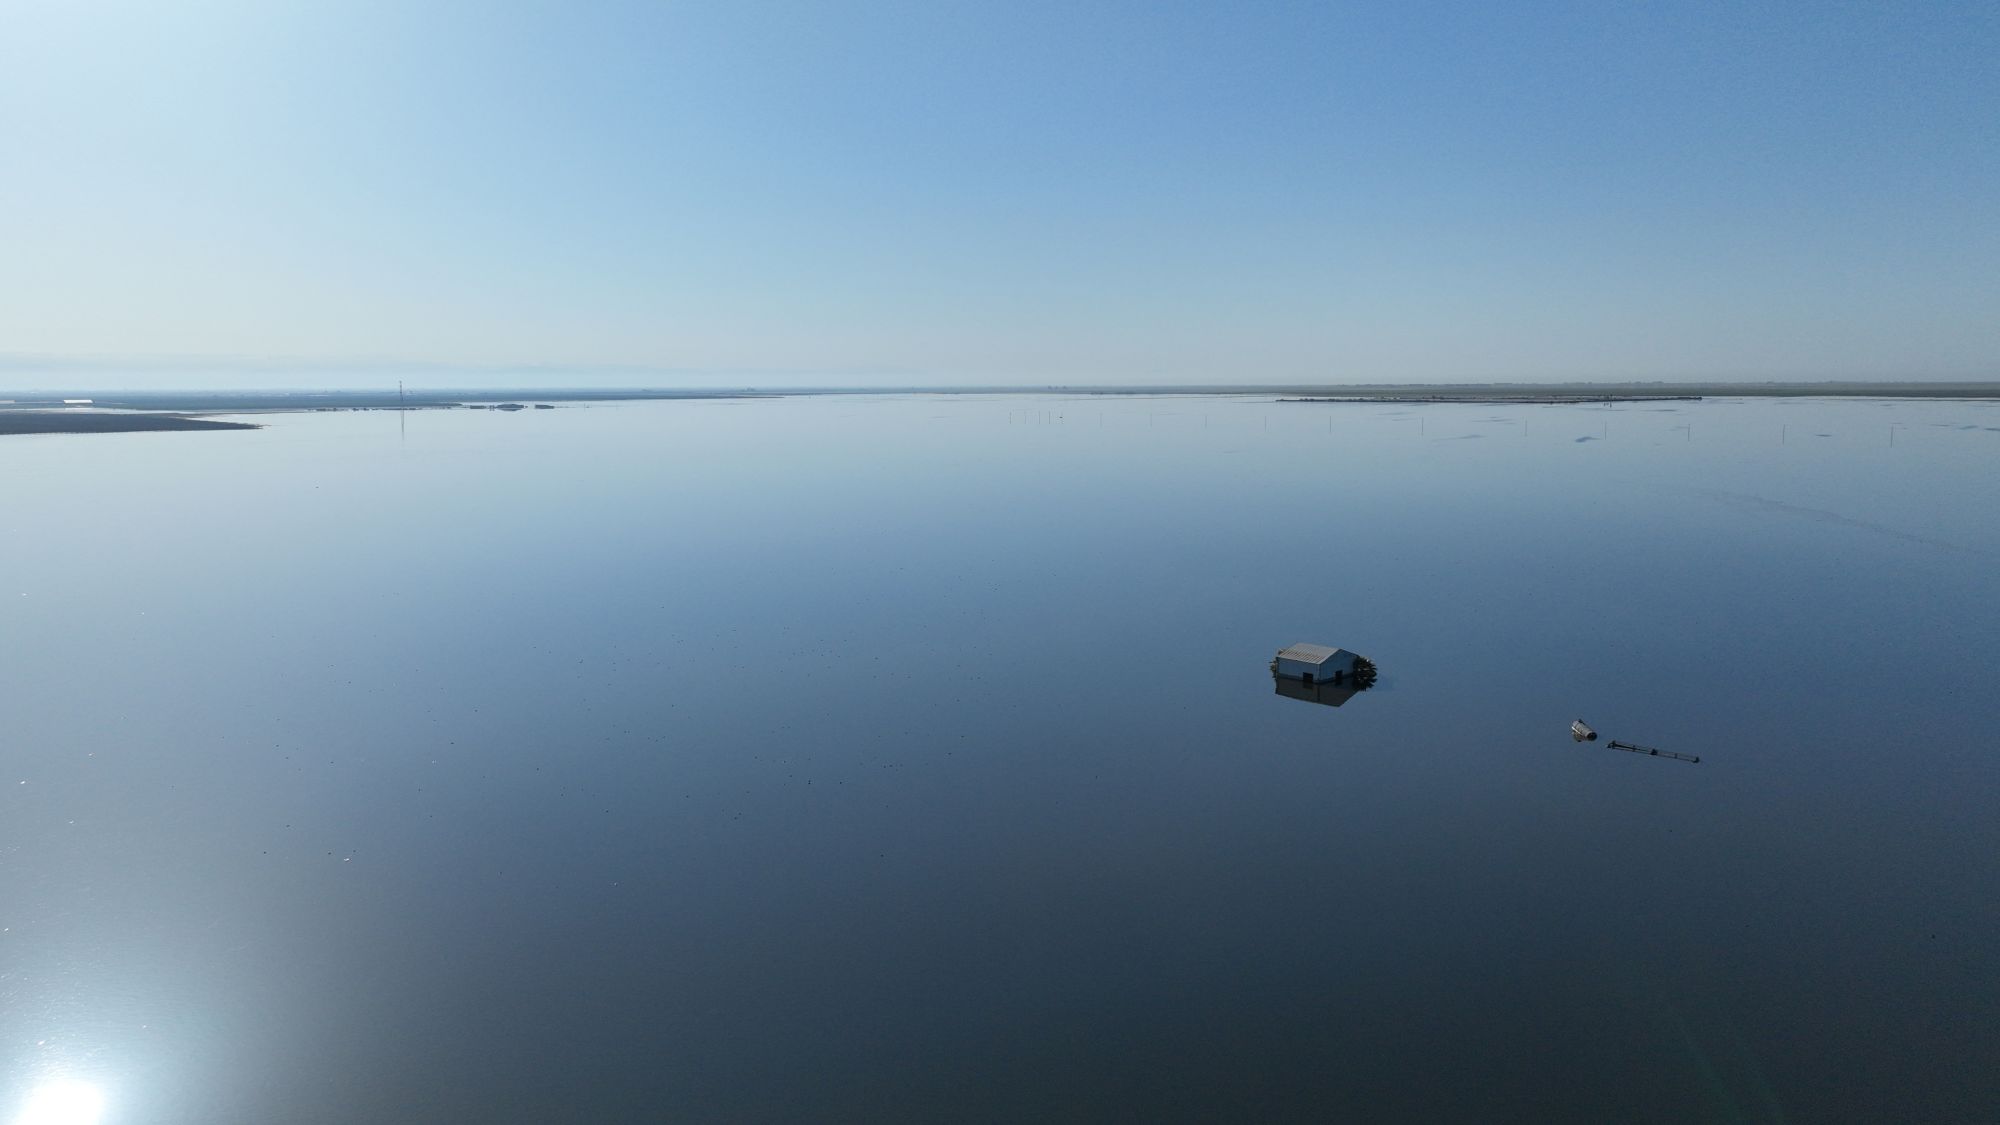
(1018,191)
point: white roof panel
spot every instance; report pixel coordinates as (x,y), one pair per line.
(1310,654)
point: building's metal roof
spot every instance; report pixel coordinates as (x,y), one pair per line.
(1311,654)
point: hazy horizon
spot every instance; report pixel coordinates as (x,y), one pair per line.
(34,374)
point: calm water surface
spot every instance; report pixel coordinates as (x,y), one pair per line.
(917,759)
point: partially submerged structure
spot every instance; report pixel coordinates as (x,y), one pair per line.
(1315,664)
(1326,695)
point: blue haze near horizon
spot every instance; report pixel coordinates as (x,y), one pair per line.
(911,758)
(1029,193)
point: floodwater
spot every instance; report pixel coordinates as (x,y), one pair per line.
(905,758)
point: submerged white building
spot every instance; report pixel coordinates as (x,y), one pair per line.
(1315,664)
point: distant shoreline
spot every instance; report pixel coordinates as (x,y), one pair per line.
(1500,399)
(14,422)
(195,400)
(42,412)
(1546,393)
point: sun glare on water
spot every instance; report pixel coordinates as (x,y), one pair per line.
(62,1103)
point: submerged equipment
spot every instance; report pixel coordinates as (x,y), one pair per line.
(1580,731)
(1617,745)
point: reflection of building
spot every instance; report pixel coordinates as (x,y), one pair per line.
(1315,664)
(1331,695)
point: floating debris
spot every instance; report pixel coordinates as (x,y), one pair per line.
(1626,746)
(1579,731)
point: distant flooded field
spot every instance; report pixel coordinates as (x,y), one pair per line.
(920,758)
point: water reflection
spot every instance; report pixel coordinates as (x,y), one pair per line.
(62,1102)
(1329,695)
(613,859)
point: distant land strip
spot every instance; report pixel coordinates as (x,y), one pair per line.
(1544,393)
(1497,399)
(130,406)
(88,422)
